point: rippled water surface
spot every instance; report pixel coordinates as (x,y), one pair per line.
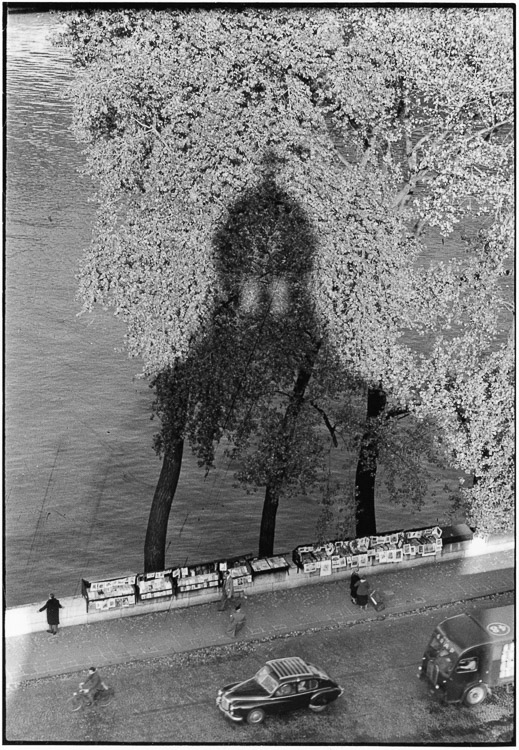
(79,468)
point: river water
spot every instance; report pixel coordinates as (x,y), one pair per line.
(79,467)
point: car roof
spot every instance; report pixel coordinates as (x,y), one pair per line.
(290,666)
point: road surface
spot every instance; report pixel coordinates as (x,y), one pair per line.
(172,699)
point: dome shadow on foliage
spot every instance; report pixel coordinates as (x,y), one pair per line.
(264,253)
(265,345)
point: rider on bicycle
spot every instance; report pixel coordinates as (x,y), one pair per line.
(92,685)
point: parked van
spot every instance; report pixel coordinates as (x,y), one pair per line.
(471,653)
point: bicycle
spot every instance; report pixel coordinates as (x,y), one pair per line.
(80,700)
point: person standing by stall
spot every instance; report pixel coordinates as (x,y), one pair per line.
(53,607)
(355,578)
(227,591)
(362,590)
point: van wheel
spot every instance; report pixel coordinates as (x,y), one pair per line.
(255,716)
(475,695)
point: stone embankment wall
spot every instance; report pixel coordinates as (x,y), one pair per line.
(460,543)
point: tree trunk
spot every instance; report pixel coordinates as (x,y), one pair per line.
(273,491)
(155,542)
(367,467)
(268,523)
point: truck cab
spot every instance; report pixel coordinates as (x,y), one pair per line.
(471,653)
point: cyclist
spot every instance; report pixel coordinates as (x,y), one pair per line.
(93,685)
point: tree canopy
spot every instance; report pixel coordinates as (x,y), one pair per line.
(285,155)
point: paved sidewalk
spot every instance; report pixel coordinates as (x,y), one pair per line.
(36,655)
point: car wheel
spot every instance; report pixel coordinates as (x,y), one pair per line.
(255,716)
(319,704)
(475,695)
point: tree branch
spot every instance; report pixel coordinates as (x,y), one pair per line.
(342,158)
(327,422)
(152,129)
(397,414)
(409,185)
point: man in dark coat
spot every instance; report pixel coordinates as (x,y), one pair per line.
(53,607)
(237,621)
(355,578)
(227,592)
(362,590)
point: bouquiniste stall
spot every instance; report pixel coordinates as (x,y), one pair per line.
(318,559)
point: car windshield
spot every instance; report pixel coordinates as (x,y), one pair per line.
(266,679)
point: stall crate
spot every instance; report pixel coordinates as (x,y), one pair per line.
(112,593)
(196,577)
(155,585)
(269,564)
(241,575)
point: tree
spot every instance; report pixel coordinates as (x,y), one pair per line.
(487,449)
(426,95)
(473,408)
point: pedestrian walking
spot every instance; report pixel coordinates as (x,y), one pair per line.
(53,607)
(362,590)
(355,578)
(227,592)
(237,621)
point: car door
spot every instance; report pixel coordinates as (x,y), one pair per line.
(285,698)
(305,689)
(465,673)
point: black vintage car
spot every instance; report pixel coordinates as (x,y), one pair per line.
(281,685)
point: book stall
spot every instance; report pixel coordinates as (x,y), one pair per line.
(155,585)
(110,593)
(274,564)
(196,577)
(241,571)
(319,559)
(330,557)
(423,541)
